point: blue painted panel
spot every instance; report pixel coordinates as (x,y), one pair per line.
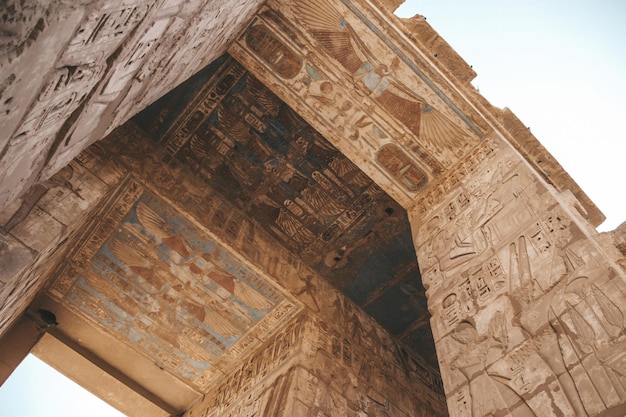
(160,283)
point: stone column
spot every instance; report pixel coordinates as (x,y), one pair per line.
(20,339)
(315,367)
(527,309)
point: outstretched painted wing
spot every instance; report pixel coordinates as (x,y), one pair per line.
(332,32)
(200,148)
(321,201)
(239,289)
(128,254)
(153,223)
(340,41)
(292,227)
(159,228)
(263,96)
(221,324)
(250,296)
(233,124)
(407,111)
(439,131)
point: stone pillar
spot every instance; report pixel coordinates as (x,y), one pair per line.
(527,309)
(36,224)
(319,368)
(20,339)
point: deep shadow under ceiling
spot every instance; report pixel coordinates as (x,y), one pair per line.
(242,140)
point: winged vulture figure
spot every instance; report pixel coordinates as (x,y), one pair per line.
(340,41)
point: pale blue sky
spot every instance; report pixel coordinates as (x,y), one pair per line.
(561,67)
(37,390)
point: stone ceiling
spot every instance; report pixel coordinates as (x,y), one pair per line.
(243,141)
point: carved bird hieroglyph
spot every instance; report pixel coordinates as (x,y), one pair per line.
(341,42)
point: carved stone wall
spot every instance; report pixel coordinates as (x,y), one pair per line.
(132,272)
(318,367)
(527,300)
(36,224)
(72,71)
(528,310)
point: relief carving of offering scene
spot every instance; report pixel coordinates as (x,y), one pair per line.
(326,218)
(526,304)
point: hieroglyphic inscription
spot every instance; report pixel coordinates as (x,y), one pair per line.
(185,303)
(101,32)
(351,91)
(31,142)
(286,345)
(267,401)
(64,92)
(480,286)
(514,290)
(451,181)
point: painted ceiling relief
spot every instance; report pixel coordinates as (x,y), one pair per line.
(247,144)
(341,41)
(163,285)
(362,89)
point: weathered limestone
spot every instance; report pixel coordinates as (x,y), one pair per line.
(527,308)
(175,292)
(309,363)
(70,72)
(422,33)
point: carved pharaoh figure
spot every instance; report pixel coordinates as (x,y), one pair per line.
(489,397)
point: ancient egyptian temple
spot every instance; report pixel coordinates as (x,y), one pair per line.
(290,208)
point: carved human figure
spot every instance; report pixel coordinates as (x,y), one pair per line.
(546,344)
(535,321)
(589,322)
(488,396)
